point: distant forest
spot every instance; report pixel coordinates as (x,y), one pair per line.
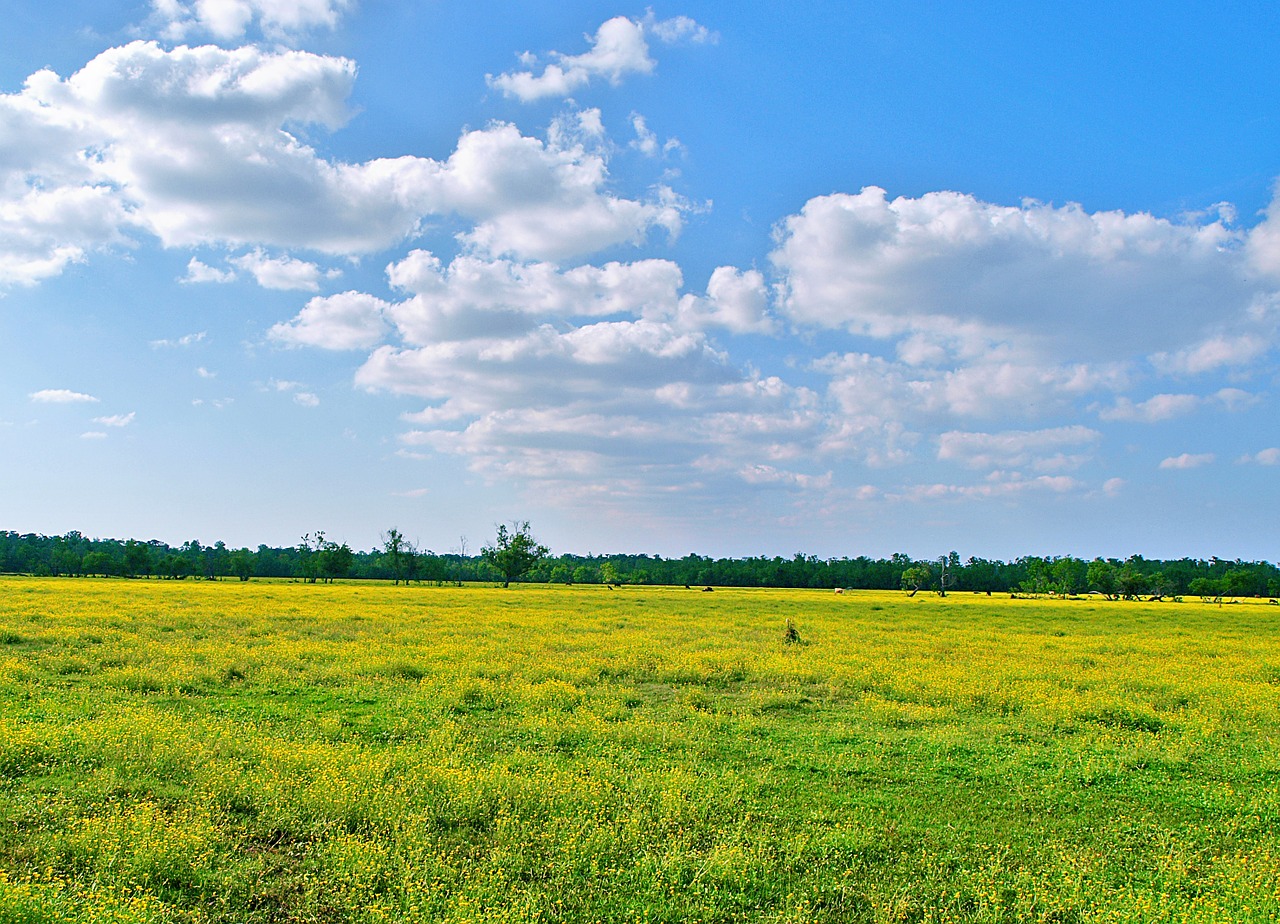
(316,559)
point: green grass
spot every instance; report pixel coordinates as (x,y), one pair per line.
(286,753)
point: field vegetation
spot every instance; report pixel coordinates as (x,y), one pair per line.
(284,752)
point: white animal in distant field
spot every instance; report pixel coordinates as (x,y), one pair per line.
(839,590)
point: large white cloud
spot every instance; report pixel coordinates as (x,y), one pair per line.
(1058,279)
(200,146)
(640,399)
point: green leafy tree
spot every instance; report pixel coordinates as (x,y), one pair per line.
(242,564)
(398,554)
(915,578)
(1101,576)
(514,552)
(335,561)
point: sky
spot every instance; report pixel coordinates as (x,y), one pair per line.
(733,279)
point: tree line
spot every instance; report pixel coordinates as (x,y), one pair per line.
(516,556)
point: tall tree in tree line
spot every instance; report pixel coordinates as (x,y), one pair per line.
(514,552)
(399,553)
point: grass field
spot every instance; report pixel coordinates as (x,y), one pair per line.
(280,752)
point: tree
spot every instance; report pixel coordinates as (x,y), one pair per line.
(242,564)
(397,551)
(336,560)
(914,578)
(309,550)
(514,552)
(1101,576)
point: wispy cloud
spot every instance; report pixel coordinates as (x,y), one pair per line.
(1264,457)
(116,420)
(1187,460)
(61,396)
(185,340)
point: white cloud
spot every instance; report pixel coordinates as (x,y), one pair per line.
(618,49)
(1264,457)
(1046,279)
(476,297)
(347,321)
(185,340)
(679,29)
(1169,406)
(231,19)
(93,435)
(116,420)
(198,272)
(1012,448)
(640,401)
(1154,409)
(61,396)
(998,385)
(737,301)
(1215,352)
(533,200)
(284,273)
(1000,485)
(306,399)
(412,492)
(205,373)
(201,147)
(646,142)
(1113,486)
(1187,460)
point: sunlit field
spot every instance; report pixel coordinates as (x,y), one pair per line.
(219,751)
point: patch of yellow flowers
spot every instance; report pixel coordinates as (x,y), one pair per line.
(200,752)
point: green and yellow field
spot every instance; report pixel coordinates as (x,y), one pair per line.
(177,751)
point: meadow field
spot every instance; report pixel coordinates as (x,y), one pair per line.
(279,752)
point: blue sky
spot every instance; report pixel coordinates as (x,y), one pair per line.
(734,279)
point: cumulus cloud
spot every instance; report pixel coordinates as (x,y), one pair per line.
(534,200)
(1050,278)
(347,321)
(737,301)
(477,297)
(200,146)
(642,400)
(61,396)
(1187,460)
(618,49)
(283,272)
(199,272)
(999,384)
(232,19)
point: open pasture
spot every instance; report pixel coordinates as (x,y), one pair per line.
(227,752)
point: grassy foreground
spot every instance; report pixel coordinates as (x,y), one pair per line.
(280,752)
